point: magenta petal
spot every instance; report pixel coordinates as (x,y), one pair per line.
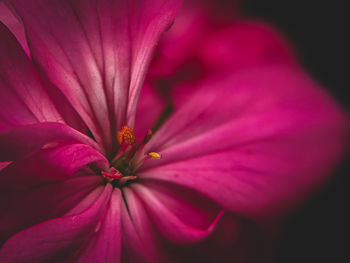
(196,47)
(192,208)
(105,243)
(149,109)
(50,165)
(142,240)
(178,45)
(26,206)
(138,237)
(57,239)
(58,42)
(173,228)
(3,165)
(13,23)
(149,20)
(19,142)
(256,143)
(23,98)
(243,44)
(234,240)
(96,53)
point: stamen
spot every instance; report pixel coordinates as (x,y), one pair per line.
(129,158)
(148,136)
(112,174)
(126,135)
(154,155)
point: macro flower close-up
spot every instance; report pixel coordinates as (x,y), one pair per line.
(153,131)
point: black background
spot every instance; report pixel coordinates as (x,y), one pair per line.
(318,231)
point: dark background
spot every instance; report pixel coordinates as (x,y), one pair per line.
(318,231)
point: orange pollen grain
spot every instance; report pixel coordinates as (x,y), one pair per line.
(126,134)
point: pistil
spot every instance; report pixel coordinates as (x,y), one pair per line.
(123,166)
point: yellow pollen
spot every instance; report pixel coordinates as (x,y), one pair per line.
(126,134)
(154,155)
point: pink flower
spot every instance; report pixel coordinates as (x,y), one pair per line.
(84,180)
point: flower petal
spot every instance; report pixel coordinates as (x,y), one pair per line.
(156,17)
(179,44)
(234,240)
(57,239)
(202,43)
(3,165)
(255,144)
(149,110)
(21,141)
(23,207)
(192,208)
(15,26)
(105,243)
(96,53)
(242,44)
(197,46)
(23,98)
(139,240)
(41,178)
(173,228)
(50,165)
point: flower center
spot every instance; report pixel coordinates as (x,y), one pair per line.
(123,167)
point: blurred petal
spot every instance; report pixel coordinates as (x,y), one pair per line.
(242,44)
(149,109)
(3,165)
(207,49)
(23,98)
(21,141)
(233,240)
(96,53)
(57,239)
(197,46)
(254,143)
(179,44)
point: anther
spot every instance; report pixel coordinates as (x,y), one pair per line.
(126,134)
(154,155)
